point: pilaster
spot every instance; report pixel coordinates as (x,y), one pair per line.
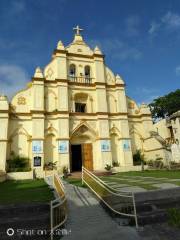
(4,121)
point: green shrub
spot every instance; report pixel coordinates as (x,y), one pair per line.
(174,217)
(158,163)
(18,163)
(108,167)
(115,164)
(65,171)
(50,166)
(138,158)
(150,163)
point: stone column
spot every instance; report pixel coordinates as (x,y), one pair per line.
(4,120)
(125,149)
(38,121)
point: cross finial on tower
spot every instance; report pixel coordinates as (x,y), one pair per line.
(77,29)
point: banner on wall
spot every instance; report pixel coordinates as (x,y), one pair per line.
(63,146)
(37,146)
(105,146)
(126,145)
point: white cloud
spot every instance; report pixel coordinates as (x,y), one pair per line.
(149,99)
(132,25)
(154,28)
(171,20)
(168,22)
(147,94)
(117,49)
(15,8)
(177,70)
(18,6)
(12,79)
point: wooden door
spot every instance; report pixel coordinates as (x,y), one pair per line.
(87,156)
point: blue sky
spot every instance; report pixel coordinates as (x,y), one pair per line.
(140,38)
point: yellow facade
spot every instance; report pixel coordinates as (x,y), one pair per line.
(76,100)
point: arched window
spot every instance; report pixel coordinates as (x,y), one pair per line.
(81,100)
(87,71)
(72,70)
(87,74)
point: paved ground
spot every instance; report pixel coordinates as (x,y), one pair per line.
(139,183)
(88,220)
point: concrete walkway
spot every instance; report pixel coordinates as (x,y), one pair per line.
(87,220)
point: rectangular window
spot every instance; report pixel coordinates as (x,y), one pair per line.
(80,107)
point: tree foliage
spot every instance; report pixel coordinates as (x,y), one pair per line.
(163,107)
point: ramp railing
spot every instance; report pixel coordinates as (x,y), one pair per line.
(121,203)
(58,206)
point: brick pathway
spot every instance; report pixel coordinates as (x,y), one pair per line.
(87,220)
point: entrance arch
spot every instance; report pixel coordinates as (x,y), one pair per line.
(81,140)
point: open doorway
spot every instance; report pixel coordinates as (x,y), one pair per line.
(76,158)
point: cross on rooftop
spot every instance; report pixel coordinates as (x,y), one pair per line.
(77,29)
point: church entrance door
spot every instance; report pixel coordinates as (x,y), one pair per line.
(76,158)
(81,155)
(87,156)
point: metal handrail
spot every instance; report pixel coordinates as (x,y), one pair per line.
(107,187)
(110,191)
(58,206)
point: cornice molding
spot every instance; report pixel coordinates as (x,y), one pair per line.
(69,54)
(38,79)
(4,111)
(139,116)
(155,149)
(59,51)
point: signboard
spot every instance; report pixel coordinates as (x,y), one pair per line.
(126,145)
(105,146)
(37,146)
(37,161)
(63,146)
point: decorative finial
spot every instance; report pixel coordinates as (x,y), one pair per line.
(78,30)
(119,79)
(3,97)
(97,50)
(60,46)
(38,73)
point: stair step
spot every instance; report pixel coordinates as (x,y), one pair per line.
(154,217)
(21,209)
(26,221)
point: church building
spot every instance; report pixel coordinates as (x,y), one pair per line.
(75,112)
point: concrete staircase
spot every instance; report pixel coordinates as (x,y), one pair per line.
(151,207)
(156,211)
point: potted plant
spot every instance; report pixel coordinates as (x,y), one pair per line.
(65,171)
(108,168)
(50,166)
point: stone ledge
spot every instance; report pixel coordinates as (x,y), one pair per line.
(20,175)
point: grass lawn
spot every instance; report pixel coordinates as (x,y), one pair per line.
(153,173)
(136,178)
(124,181)
(145,179)
(75,181)
(24,191)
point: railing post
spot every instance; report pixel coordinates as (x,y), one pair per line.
(51,221)
(82,176)
(135,213)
